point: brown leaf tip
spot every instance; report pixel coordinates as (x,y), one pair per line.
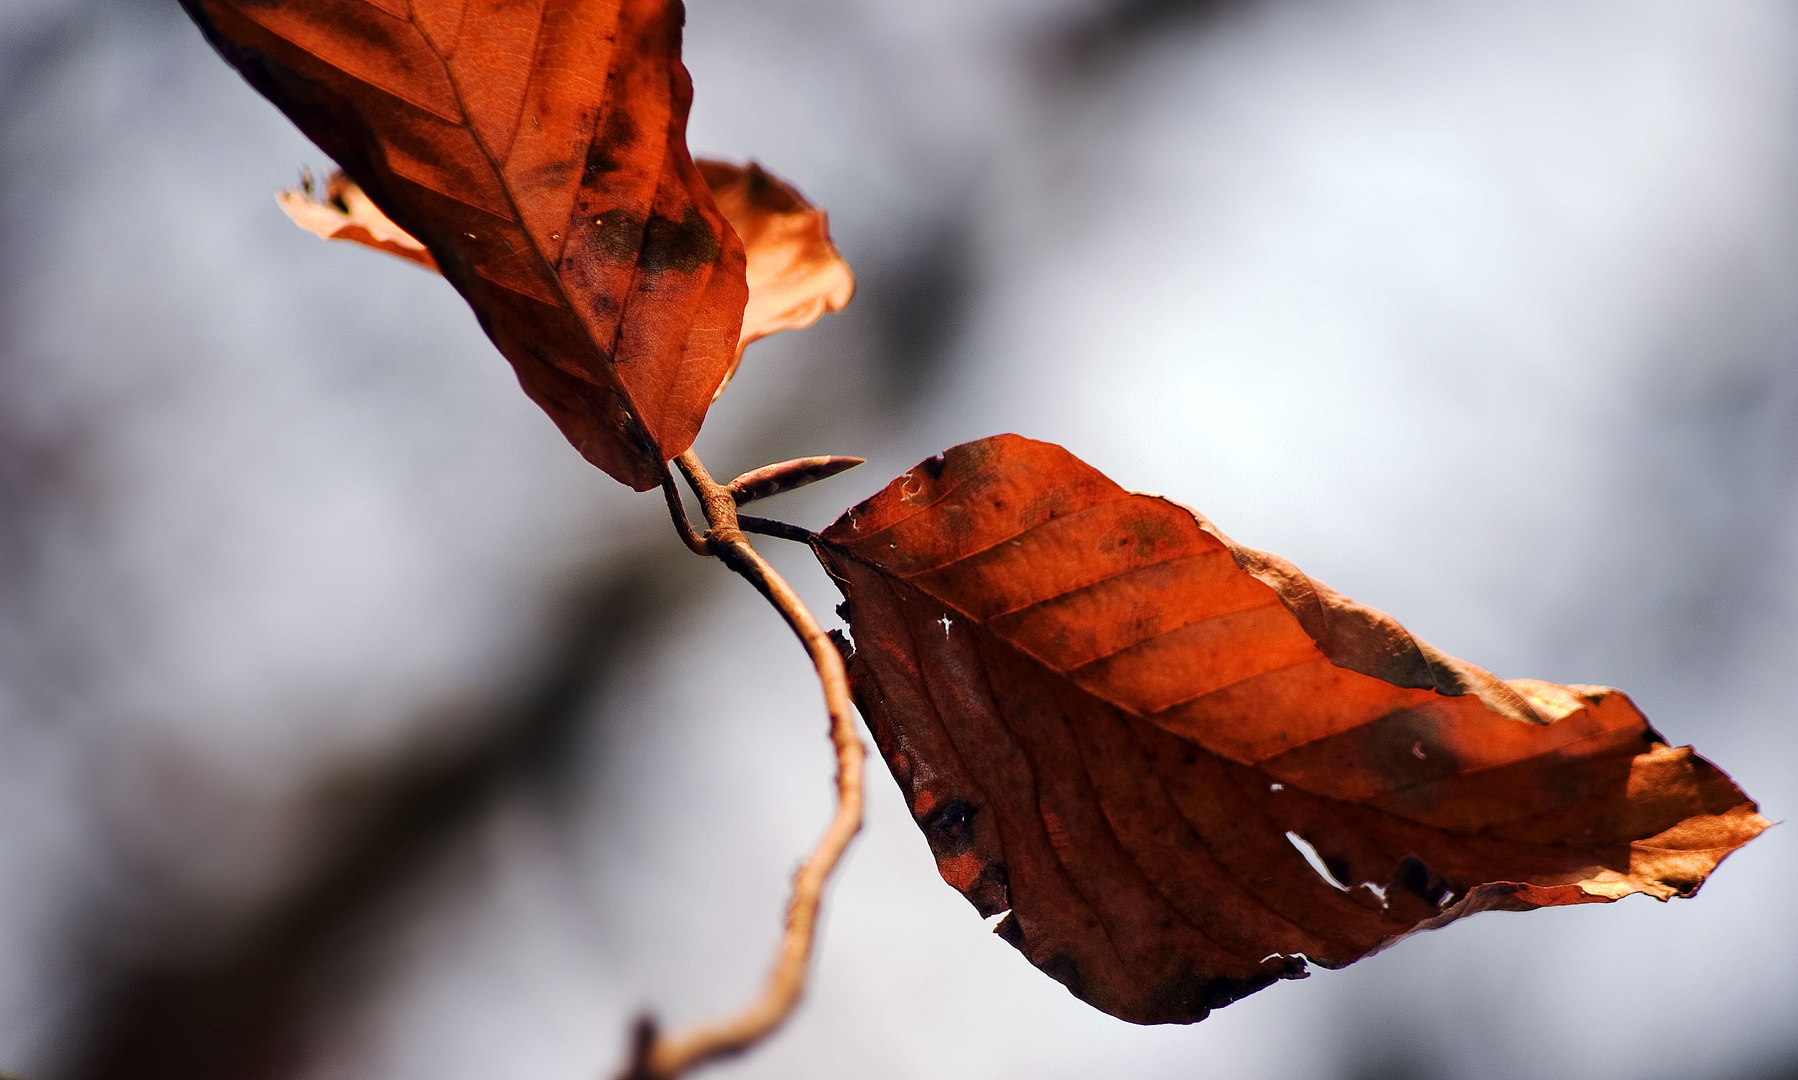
(347,213)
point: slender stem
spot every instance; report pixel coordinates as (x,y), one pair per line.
(678,511)
(658,1057)
(779,529)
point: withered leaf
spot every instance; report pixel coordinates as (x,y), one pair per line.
(1186,769)
(538,151)
(794,272)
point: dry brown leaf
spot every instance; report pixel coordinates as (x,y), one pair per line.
(794,272)
(538,151)
(1186,769)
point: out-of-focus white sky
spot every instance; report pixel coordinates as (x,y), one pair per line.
(1482,313)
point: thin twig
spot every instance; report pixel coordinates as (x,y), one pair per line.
(781,530)
(658,1057)
(678,511)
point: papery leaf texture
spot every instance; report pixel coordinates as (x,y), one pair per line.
(537,148)
(1186,769)
(346,213)
(794,272)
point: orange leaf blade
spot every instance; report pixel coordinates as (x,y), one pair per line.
(538,152)
(1185,768)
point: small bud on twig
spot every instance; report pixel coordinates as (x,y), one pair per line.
(787,475)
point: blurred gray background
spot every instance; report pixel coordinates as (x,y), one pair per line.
(352,727)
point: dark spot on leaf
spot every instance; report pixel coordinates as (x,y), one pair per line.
(549,174)
(685,245)
(1409,667)
(990,893)
(602,156)
(616,236)
(1180,997)
(1009,929)
(950,828)
(1045,507)
(1404,748)
(1150,533)
(1216,993)
(1414,876)
(1186,995)
(638,438)
(933,467)
(1062,968)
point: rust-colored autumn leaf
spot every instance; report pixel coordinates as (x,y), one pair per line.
(538,151)
(1185,768)
(794,272)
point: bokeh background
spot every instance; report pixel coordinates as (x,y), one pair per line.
(352,727)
